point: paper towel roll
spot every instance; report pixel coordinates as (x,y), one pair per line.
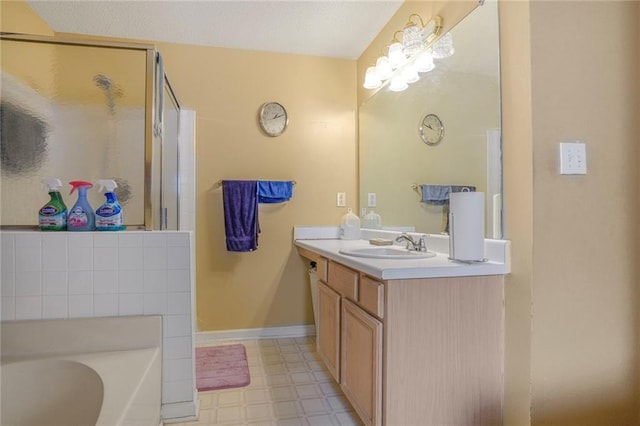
(466,226)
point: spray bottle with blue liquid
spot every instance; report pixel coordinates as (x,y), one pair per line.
(81,216)
(53,215)
(109,215)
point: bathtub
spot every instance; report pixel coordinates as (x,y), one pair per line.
(65,374)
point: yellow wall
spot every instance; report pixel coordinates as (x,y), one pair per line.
(585,295)
(572,296)
(318,150)
(16,16)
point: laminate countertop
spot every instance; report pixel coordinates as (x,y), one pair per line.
(438,266)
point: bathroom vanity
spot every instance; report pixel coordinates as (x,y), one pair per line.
(412,341)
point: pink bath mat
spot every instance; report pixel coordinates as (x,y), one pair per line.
(221,367)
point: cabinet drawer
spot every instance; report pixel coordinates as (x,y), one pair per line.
(371,296)
(343,280)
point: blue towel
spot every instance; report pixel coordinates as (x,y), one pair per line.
(240,199)
(438,195)
(270,191)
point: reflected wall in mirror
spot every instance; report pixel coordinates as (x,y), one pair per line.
(464,92)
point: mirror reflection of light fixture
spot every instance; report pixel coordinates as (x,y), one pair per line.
(412,36)
(404,60)
(443,48)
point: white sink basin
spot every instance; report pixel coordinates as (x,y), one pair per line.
(387,252)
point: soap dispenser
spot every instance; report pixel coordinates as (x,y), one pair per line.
(372,220)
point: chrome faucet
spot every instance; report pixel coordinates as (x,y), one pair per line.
(412,244)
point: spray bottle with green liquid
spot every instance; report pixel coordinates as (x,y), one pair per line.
(53,215)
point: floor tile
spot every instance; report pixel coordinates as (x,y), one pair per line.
(289,387)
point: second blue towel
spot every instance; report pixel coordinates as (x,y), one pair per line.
(271,191)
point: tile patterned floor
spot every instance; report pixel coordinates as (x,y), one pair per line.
(289,387)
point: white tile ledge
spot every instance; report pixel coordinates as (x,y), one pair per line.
(496,251)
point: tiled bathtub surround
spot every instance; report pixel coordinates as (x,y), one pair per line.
(94,274)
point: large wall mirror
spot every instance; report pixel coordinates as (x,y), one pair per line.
(464,92)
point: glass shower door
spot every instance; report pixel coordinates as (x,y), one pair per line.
(170,151)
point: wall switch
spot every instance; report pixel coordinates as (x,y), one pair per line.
(573,158)
(341,199)
(371,199)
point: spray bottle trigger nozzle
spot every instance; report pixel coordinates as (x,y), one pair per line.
(109,184)
(51,184)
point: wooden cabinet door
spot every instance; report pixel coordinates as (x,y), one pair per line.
(361,362)
(328,338)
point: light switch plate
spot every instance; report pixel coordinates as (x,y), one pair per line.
(371,199)
(573,158)
(341,199)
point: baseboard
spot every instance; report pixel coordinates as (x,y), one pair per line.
(180,412)
(256,333)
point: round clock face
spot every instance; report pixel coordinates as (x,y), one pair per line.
(273,118)
(431,129)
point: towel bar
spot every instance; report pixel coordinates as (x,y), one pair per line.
(218,184)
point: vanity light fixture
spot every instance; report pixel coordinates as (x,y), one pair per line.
(405,60)
(372,79)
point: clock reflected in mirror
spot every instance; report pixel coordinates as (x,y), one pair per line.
(431,129)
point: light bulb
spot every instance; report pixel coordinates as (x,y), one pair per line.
(371,79)
(383,68)
(424,62)
(410,73)
(396,57)
(398,84)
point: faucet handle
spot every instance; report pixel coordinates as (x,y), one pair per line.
(422,245)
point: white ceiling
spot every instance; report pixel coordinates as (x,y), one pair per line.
(332,28)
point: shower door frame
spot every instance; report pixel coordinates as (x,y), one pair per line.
(151,106)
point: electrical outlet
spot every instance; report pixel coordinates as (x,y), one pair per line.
(573,158)
(341,199)
(371,199)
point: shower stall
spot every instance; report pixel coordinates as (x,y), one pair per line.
(87,110)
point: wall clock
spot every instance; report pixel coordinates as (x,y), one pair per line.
(273,118)
(431,129)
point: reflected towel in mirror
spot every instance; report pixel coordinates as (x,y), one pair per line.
(438,195)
